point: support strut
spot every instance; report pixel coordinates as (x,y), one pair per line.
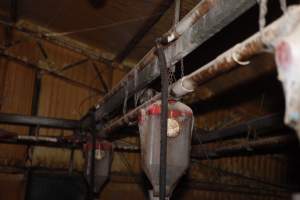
(163,118)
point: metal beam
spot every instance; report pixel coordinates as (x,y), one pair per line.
(257,125)
(41,143)
(206,19)
(76,63)
(260,146)
(239,54)
(35,100)
(225,62)
(149,23)
(100,77)
(27,63)
(39,121)
(42,50)
(37,32)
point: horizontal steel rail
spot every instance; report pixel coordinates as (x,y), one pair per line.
(205,20)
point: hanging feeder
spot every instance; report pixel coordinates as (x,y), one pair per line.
(180,124)
(103,160)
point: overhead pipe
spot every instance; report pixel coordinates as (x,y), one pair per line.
(239,54)
(226,62)
(259,124)
(7,137)
(209,16)
(49,122)
(245,148)
(41,141)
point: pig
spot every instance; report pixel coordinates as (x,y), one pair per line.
(287,57)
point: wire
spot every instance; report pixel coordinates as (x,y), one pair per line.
(100,27)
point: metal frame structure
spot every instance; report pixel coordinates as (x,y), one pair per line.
(222,64)
(218,14)
(205,20)
(39,121)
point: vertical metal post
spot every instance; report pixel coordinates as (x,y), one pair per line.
(35,99)
(28,175)
(164,119)
(33,129)
(177,11)
(92,166)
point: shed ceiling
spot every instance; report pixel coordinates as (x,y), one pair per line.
(115,21)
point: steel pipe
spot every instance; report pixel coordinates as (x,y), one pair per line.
(223,63)
(239,54)
(39,121)
(197,24)
(260,124)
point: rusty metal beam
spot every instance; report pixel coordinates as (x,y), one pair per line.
(206,19)
(149,23)
(239,54)
(227,61)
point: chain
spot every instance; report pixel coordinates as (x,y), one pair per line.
(182,68)
(171,77)
(263,9)
(125,100)
(135,87)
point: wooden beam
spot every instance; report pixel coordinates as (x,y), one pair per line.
(158,13)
